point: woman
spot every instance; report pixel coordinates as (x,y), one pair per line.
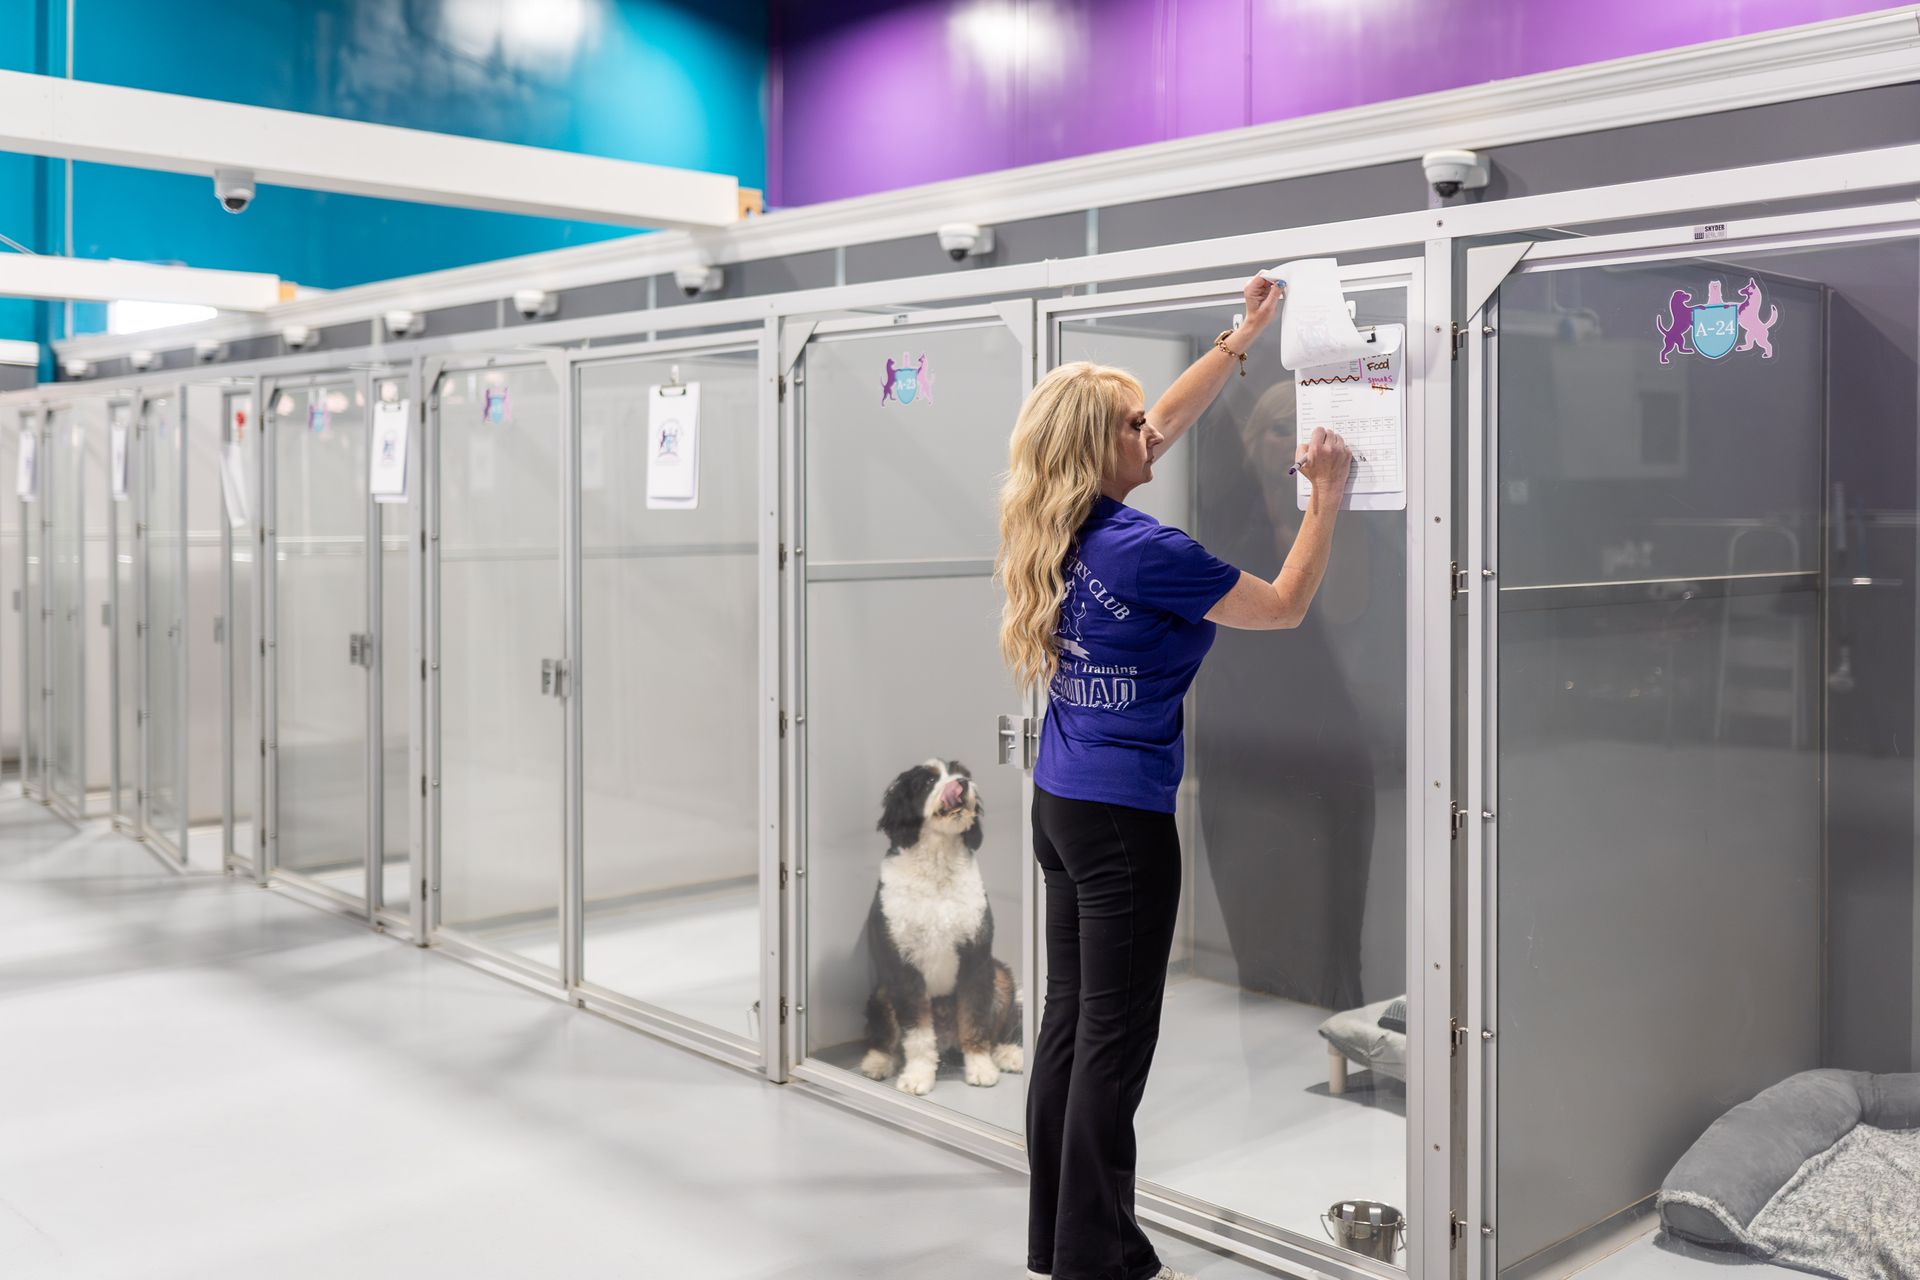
(1112,614)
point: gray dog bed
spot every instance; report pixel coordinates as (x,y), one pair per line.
(1820,1172)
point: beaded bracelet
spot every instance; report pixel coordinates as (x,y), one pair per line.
(1241,356)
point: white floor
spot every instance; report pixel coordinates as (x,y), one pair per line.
(206,1079)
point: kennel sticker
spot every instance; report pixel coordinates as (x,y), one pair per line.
(1712,326)
(387,458)
(673,447)
(494,408)
(908,379)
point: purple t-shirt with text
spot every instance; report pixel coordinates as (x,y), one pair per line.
(1132,633)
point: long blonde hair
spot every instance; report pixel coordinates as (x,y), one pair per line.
(1056,461)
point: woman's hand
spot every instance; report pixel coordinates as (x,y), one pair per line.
(1326,461)
(1262,297)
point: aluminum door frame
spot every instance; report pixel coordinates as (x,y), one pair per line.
(369,907)
(1429,1076)
(118,785)
(850,1088)
(232,858)
(32,708)
(1488,267)
(432,932)
(761,1055)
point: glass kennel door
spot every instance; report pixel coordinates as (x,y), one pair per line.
(320,635)
(1282,1079)
(63,444)
(671,599)
(33,631)
(162,566)
(498,650)
(1694,715)
(123,497)
(898,441)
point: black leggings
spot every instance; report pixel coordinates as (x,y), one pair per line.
(1113,893)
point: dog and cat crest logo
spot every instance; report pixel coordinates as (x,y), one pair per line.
(1712,326)
(906,382)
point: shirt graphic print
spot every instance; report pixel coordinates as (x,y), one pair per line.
(1131,635)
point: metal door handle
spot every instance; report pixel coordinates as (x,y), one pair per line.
(1009,738)
(549,676)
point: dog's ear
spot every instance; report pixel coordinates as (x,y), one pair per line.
(902,810)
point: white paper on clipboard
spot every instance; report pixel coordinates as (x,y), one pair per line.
(1316,326)
(117,460)
(233,483)
(27,482)
(1364,402)
(387,451)
(673,447)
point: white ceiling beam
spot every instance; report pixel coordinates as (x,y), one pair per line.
(108,124)
(16,352)
(24,275)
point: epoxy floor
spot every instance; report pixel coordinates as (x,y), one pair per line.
(200,1078)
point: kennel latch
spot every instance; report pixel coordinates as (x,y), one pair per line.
(1018,736)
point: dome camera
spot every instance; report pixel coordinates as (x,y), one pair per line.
(233,188)
(534,304)
(963,240)
(1451,172)
(697,278)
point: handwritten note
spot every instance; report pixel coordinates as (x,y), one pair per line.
(1315,328)
(1364,402)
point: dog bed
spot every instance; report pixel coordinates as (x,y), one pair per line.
(1373,1036)
(1820,1172)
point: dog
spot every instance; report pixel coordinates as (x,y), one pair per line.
(1752,328)
(938,987)
(1674,329)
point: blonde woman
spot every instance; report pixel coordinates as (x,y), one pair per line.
(1111,612)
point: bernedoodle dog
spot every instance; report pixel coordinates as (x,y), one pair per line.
(939,987)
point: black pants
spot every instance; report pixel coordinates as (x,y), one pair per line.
(1113,893)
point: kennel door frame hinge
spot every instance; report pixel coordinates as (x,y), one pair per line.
(1456,1229)
(1457,822)
(1456,581)
(783,1011)
(1456,1037)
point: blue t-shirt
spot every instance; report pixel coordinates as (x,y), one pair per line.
(1132,633)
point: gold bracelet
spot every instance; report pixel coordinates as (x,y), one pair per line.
(1221,343)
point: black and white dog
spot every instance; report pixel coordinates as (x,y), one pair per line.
(931,932)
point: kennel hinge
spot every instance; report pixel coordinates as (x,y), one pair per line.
(1459,339)
(1456,581)
(783,1010)
(1456,1230)
(1458,822)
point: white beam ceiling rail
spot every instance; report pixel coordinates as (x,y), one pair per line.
(108,124)
(94,280)
(16,352)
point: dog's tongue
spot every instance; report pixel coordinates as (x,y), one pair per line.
(951,797)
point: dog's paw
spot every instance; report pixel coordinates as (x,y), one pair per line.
(917,1079)
(1009,1057)
(876,1065)
(980,1070)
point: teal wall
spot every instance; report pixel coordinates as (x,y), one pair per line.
(653,80)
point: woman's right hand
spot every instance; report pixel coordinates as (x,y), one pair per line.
(1325,461)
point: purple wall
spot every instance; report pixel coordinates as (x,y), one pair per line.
(871,97)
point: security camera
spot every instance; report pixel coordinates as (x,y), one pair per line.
(233,188)
(697,278)
(297,337)
(143,360)
(963,240)
(534,304)
(402,323)
(207,350)
(1451,172)
(76,367)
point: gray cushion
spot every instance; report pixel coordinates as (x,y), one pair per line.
(1746,1156)
(1357,1033)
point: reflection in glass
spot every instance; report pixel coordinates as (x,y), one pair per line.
(1706,722)
(501,746)
(670,607)
(66,653)
(243,429)
(126,637)
(905,441)
(320,596)
(399,600)
(1279,1083)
